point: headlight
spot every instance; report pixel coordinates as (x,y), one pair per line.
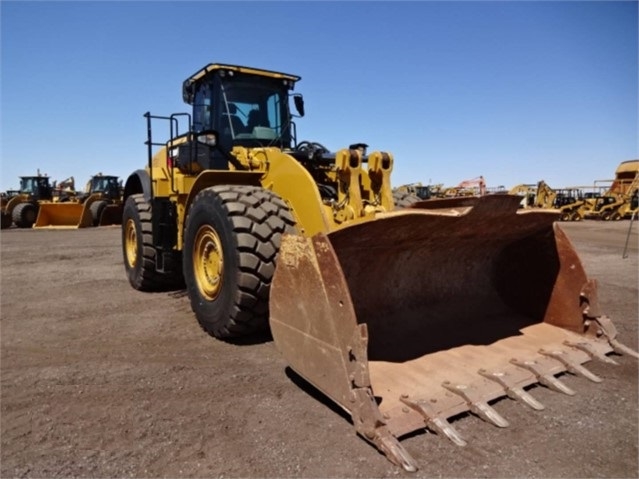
(208,139)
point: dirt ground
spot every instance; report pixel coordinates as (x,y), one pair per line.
(99,380)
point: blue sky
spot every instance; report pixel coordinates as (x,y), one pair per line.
(514,91)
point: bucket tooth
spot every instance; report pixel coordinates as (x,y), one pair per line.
(590,351)
(571,366)
(476,404)
(623,349)
(512,391)
(610,332)
(370,424)
(434,421)
(394,451)
(548,380)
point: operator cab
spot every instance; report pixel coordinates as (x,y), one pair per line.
(37,187)
(245,106)
(107,185)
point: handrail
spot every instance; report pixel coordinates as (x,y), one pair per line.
(624,255)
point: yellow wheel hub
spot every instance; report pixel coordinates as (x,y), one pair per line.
(130,243)
(208,262)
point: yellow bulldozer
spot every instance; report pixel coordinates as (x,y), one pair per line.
(403,317)
(100,204)
(21,208)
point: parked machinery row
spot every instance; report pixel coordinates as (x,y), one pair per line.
(38,203)
(605,200)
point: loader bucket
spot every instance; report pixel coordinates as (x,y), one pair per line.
(63,215)
(425,313)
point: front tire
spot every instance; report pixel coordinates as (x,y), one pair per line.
(231,241)
(25,215)
(138,250)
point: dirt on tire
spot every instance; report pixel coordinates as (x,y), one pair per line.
(101,380)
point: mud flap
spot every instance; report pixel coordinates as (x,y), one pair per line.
(422,314)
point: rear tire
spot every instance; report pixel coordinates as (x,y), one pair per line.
(138,250)
(231,241)
(404,200)
(576,216)
(96,208)
(25,215)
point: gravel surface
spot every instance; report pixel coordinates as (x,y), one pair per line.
(99,380)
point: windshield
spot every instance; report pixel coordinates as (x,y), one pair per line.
(254,110)
(104,183)
(30,184)
(247,110)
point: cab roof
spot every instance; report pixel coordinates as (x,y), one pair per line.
(211,67)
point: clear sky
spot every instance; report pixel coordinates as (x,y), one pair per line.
(514,91)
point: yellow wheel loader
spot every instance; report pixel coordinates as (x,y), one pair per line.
(620,200)
(22,208)
(405,317)
(100,204)
(570,203)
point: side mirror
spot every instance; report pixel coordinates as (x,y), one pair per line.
(299,104)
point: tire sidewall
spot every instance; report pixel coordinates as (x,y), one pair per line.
(134,273)
(208,209)
(21,215)
(96,210)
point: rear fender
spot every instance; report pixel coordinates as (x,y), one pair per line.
(210,178)
(138,182)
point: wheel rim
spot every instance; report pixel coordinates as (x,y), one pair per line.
(208,262)
(131,243)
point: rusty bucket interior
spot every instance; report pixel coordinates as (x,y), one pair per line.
(433,311)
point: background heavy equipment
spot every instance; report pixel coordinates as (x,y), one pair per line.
(408,194)
(64,190)
(404,318)
(22,208)
(99,205)
(527,192)
(620,200)
(569,202)
(472,187)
